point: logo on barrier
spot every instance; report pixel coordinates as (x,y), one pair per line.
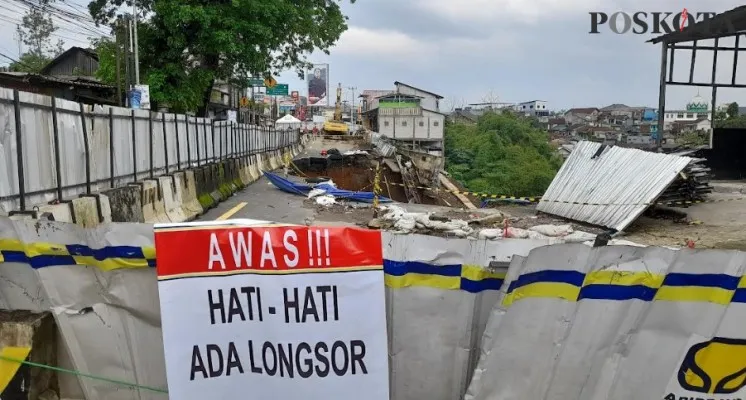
(715,368)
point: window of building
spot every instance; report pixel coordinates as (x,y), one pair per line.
(422,123)
(385,123)
(531,107)
(404,123)
(690,115)
(680,115)
(436,123)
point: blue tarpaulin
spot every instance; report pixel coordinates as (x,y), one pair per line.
(303,189)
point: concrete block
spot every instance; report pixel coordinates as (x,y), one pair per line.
(243,172)
(153,209)
(85,211)
(202,183)
(21,331)
(60,212)
(125,203)
(190,193)
(273,164)
(171,200)
(104,208)
(187,204)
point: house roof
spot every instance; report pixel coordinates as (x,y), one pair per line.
(556,121)
(393,95)
(65,54)
(581,110)
(31,77)
(374,93)
(397,83)
(434,112)
(723,24)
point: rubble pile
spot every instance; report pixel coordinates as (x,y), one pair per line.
(494,226)
(691,186)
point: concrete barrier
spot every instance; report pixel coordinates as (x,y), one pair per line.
(182,196)
(125,203)
(171,201)
(203,185)
(254,169)
(220,191)
(153,209)
(86,212)
(62,212)
(244,171)
(235,175)
(189,193)
(273,163)
(32,337)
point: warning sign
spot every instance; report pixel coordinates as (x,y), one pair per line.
(712,369)
(260,312)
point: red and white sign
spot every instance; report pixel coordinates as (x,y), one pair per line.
(272,311)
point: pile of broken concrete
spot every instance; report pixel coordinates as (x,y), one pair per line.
(493,226)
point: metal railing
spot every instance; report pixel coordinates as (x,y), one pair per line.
(58,149)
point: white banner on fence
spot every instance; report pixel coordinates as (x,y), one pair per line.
(260,312)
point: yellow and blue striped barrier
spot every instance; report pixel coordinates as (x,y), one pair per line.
(41,255)
(569,285)
(626,285)
(399,274)
(470,278)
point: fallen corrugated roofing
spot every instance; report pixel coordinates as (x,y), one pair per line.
(609,186)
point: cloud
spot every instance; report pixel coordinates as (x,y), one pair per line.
(513,11)
(380,44)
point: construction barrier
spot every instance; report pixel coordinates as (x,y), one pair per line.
(101,287)
(617,323)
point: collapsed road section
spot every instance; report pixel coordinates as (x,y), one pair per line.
(353,162)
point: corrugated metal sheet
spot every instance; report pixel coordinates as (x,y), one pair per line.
(614,188)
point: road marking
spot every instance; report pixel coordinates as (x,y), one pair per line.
(230,212)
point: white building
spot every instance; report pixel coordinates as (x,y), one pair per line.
(534,108)
(696,109)
(405,117)
(429,100)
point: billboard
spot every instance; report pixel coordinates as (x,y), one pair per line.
(318,85)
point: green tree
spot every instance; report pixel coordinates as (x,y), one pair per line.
(502,153)
(732,110)
(186,45)
(36,31)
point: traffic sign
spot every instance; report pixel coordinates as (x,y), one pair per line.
(280,89)
(244,101)
(270,82)
(256,82)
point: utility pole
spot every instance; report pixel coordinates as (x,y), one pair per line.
(127,67)
(137,52)
(353,109)
(19,38)
(118,33)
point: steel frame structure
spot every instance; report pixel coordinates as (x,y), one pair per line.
(725,25)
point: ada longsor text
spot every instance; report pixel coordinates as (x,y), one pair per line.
(287,360)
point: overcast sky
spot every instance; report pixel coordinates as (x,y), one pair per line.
(511,50)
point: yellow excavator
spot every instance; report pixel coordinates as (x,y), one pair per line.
(336,126)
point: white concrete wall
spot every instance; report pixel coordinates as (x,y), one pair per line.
(37,140)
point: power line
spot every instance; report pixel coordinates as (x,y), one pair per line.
(16,61)
(65,16)
(16,22)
